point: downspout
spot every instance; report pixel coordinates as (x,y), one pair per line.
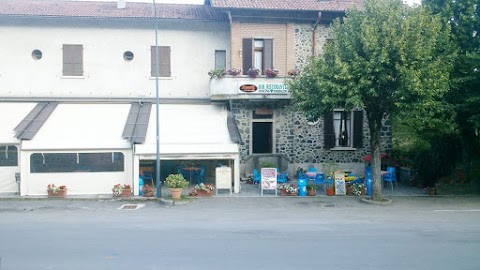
(314,38)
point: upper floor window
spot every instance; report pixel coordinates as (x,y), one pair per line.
(220,59)
(164,69)
(72,60)
(8,156)
(257,53)
(343,129)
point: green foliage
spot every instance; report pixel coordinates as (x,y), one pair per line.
(176,181)
(267,164)
(217,73)
(386,59)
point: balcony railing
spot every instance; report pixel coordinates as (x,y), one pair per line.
(244,87)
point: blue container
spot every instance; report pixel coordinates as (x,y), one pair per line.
(140,186)
(302,187)
(369,185)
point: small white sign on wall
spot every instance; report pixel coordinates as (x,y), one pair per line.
(223,179)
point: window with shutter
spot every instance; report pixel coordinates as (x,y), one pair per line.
(257,53)
(72,60)
(164,61)
(343,129)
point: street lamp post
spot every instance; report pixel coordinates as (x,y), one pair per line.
(157,120)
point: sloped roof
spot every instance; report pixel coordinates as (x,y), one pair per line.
(310,5)
(58,8)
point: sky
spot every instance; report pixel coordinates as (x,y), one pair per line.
(410,2)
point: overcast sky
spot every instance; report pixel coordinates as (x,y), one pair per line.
(201,1)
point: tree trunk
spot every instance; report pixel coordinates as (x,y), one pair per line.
(375,125)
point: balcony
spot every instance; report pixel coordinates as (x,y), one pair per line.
(244,87)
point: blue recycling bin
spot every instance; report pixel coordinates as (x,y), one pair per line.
(302,187)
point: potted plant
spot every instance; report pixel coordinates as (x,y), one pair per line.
(311,189)
(56,191)
(203,190)
(271,72)
(358,189)
(120,190)
(217,73)
(148,191)
(253,72)
(288,189)
(234,71)
(176,183)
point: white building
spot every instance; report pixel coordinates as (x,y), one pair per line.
(74,76)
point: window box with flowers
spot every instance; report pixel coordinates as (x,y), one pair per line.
(293,72)
(203,190)
(253,72)
(56,191)
(234,71)
(120,190)
(288,189)
(271,72)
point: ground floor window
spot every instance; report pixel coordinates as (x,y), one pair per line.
(8,156)
(77,162)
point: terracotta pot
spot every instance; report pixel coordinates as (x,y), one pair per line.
(60,194)
(176,193)
(203,193)
(311,192)
(350,191)
(125,193)
(330,191)
(148,194)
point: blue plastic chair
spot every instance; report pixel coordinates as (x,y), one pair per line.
(257,178)
(319,178)
(390,176)
(147,175)
(282,178)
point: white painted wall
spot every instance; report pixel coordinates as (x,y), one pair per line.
(77,183)
(106,73)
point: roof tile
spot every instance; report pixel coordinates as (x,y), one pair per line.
(311,5)
(56,8)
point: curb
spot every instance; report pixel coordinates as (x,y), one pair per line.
(383,202)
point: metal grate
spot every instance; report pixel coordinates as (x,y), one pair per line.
(131,206)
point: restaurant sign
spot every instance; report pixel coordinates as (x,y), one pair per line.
(263,88)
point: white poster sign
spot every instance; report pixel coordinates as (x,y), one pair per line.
(339,183)
(223,178)
(269,179)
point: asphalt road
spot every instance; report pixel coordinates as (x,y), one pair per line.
(242,233)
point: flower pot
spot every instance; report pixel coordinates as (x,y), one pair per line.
(59,194)
(311,192)
(204,193)
(350,191)
(330,191)
(148,194)
(176,193)
(125,193)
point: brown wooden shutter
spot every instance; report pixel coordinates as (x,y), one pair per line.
(267,54)
(358,129)
(328,131)
(247,54)
(72,60)
(164,61)
(164,54)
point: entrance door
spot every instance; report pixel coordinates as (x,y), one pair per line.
(262,137)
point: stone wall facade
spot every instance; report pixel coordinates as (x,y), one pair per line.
(301,142)
(304,42)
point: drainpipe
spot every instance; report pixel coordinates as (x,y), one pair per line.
(314,38)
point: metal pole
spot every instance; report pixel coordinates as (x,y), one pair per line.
(157,121)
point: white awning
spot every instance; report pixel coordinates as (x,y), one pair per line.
(11,114)
(189,130)
(83,127)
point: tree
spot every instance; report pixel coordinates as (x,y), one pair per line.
(464,20)
(384,59)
